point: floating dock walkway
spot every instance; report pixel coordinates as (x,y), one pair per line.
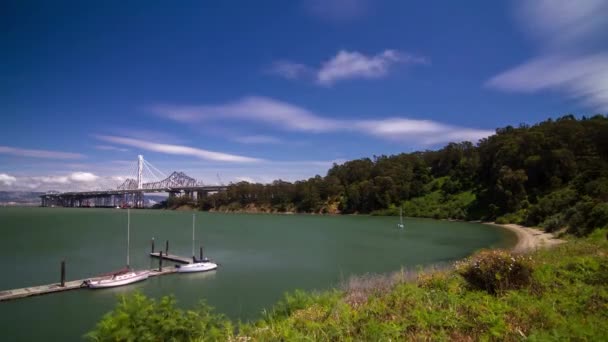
(171,257)
(78,284)
(69,285)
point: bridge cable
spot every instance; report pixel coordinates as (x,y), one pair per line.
(157,170)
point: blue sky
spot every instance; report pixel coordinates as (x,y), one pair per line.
(261,90)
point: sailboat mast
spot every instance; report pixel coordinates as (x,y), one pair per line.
(193,218)
(128,234)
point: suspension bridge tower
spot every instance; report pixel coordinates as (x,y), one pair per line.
(139,196)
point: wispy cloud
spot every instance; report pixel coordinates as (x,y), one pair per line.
(291,70)
(337,10)
(177,149)
(111,148)
(285,116)
(253,108)
(572,52)
(347,65)
(257,139)
(583,77)
(39,153)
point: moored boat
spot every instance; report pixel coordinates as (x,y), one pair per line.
(202,265)
(124,277)
(197,267)
(118,279)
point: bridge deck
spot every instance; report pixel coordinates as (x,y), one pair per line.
(69,285)
(210,188)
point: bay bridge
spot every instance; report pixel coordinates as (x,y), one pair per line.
(131,192)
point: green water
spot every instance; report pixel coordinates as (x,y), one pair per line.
(261,257)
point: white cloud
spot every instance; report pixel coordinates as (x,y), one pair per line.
(584,77)
(573,58)
(289,117)
(259,109)
(75,181)
(39,153)
(7,179)
(347,65)
(257,139)
(177,150)
(83,177)
(557,23)
(426,132)
(111,148)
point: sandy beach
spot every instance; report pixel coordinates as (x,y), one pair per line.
(529,239)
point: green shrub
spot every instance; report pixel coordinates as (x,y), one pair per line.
(553,223)
(138,318)
(495,271)
(517,217)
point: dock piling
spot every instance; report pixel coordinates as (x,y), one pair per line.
(152,244)
(62,273)
(167,247)
(160,261)
(201,254)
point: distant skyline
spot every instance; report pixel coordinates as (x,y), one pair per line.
(267,90)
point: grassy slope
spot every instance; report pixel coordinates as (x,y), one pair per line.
(566,299)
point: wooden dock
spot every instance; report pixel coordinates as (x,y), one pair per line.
(69,285)
(78,284)
(171,257)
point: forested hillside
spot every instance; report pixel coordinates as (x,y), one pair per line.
(553,174)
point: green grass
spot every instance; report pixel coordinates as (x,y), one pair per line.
(565,297)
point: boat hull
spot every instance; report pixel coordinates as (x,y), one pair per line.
(197,267)
(118,280)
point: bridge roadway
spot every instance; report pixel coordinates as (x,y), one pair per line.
(114,198)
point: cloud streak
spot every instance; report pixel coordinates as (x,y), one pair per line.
(177,149)
(347,65)
(253,108)
(350,65)
(21,152)
(562,26)
(257,139)
(289,117)
(111,148)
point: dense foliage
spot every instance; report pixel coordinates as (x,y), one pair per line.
(562,295)
(138,318)
(553,174)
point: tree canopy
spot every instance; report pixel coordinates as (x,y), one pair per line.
(553,174)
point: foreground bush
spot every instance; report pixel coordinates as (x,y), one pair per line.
(496,271)
(138,318)
(564,297)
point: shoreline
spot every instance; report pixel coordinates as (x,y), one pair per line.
(529,239)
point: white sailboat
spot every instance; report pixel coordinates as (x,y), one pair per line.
(200,266)
(400,224)
(124,277)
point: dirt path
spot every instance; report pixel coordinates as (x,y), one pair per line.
(529,239)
